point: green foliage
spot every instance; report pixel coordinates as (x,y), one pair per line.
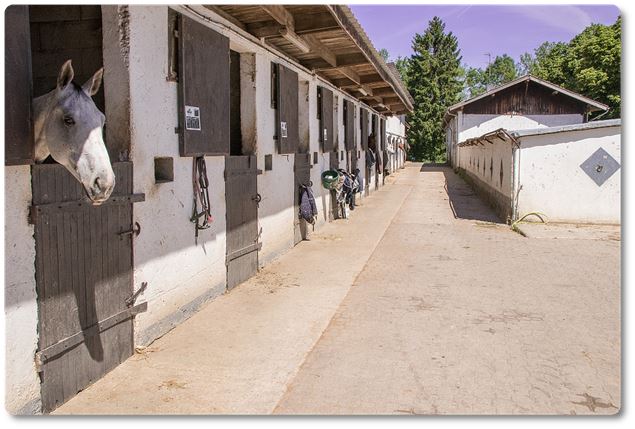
(433,78)
(501,70)
(589,64)
(383,52)
(402,64)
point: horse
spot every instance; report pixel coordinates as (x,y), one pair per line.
(69,127)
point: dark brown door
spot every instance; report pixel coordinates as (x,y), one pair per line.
(302,176)
(18,131)
(326,116)
(204,90)
(287,127)
(241,200)
(349,124)
(364,128)
(84,280)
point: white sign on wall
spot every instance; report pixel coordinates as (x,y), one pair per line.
(283,130)
(192,118)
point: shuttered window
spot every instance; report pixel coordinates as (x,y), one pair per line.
(349,137)
(326,120)
(18,125)
(287,127)
(204,87)
(364,125)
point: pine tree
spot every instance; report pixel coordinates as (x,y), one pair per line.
(433,79)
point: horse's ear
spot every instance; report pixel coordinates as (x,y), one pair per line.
(66,75)
(92,85)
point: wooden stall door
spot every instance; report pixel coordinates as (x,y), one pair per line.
(84,280)
(241,199)
(302,176)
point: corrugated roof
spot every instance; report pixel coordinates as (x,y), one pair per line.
(595,105)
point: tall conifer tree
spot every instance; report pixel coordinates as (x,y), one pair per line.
(434,81)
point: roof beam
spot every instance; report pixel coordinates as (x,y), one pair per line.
(295,40)
(346,60)
(392,100)
(312,23)
(303,24)
(227,16)
(363,80)
(280,15)
(319,49)
(350,73)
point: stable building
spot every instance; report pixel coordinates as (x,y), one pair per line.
(523,103)
(528,147)
(268,97)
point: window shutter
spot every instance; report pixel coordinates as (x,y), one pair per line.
(326,132)
(287,128)
(349,139)
(364,129)
(203,90)
(18,92)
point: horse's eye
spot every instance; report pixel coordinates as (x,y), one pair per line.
(69,121)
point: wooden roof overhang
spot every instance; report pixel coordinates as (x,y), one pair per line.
(586,104)
(329,41)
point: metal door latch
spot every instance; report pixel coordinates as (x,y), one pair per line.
(136,230)
(257,198)
(135,295)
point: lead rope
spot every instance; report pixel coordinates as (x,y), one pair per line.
(200,184)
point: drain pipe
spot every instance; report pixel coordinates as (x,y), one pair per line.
(516,186)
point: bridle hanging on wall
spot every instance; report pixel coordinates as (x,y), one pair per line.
(200,184)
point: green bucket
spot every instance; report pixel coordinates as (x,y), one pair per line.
(330,178)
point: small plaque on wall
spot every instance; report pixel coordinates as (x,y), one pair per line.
(283,130)
(192,118)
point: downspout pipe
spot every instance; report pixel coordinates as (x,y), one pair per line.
(516,186)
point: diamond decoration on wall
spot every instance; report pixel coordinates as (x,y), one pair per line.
(600,166)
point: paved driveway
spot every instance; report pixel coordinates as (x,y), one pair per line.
(460,316)
(421,303)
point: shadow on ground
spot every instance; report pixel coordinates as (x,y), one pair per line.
(464,202)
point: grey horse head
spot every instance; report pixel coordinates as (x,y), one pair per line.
(69,127)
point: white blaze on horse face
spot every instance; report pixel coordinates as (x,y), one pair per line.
(93,168)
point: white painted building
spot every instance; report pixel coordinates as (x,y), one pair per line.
(567,173)
(524,103)
(169,274)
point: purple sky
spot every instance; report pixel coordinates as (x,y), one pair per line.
(494,29)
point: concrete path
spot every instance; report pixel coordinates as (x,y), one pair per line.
(420,304)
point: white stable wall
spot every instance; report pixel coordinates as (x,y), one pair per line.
(554,184)
(22,384)
(181,275)
(486,162)
(466,126)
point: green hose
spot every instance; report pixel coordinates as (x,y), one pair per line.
(539,215)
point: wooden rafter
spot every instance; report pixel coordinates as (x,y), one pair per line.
(350,73)
(340,61)
(314,23)
(296,40)
(307,43)
(280,15)
(319,49)
(226,16)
